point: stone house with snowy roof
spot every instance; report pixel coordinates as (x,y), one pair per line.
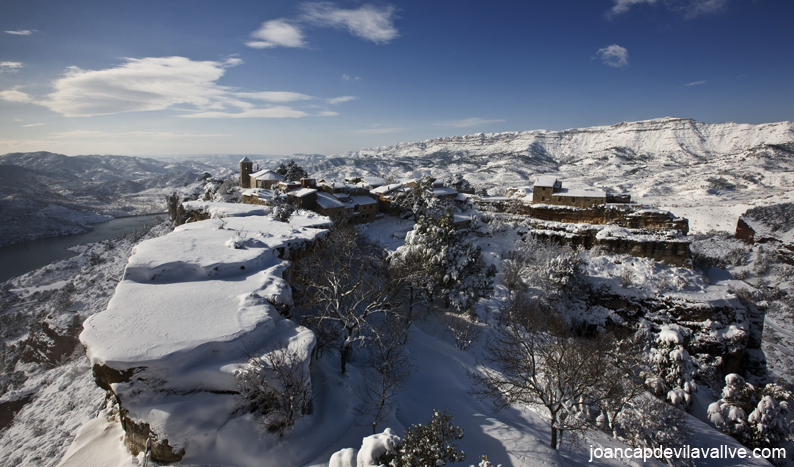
(305,198)
(265,179)
(365,209)
(548,190)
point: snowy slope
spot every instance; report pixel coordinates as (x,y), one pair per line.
(709,173)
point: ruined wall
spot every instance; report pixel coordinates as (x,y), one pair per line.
(672,252)
(619,215)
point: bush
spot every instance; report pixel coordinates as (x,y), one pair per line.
(276,383)
(432,444)
(650,423)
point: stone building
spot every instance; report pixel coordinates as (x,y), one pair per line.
(246,169)
(549,190)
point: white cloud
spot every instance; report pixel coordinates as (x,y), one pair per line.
(277,33)
(139,85)
(689,8)
(16,96)
(93,134)
(275,96)
(622,6)
(10,66)
(270,112)
(696,8)
(614,55)
(341,99)
(20,32)
(469,122)
(367,22)
(348,78)
(695,83)
(29,125)
(379,131)
(152,84)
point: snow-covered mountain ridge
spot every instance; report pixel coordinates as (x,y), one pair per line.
(709,173)
(650,136)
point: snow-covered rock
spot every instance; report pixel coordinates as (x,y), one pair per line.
(181,321)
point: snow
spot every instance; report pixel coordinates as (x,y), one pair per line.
(226,209)
(546,181)
(267,175)
(667,163)
(374,446)
(444,191)
(327,200)
(303,192)
(580,193)
(97,445)
(181,317)
(671,336)
(360,200)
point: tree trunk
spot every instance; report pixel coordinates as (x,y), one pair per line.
(554,437)
(345,355)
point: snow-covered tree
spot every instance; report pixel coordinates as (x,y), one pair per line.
(730,412)
(451,267)
(408,268)
(459,183)
(625,382)
(418,199)
(291,171)
(432,444)
(756,418)
(650,423)
(551,270)
(673,364)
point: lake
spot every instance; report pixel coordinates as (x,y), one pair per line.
(20,258)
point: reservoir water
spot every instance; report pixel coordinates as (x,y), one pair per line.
(20,258)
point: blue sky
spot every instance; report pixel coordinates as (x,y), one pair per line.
(263,77)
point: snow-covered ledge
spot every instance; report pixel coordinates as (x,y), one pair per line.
(177,327)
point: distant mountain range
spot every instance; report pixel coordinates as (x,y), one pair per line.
(710,173)
(45,194)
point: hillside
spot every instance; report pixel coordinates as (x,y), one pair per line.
(46,194)
(710,173)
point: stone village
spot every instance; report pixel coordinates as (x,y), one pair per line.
(579,217)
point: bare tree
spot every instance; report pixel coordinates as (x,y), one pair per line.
(390,367)
(625,380)
(464,332)
(345,279)
(535,360)
(408,269)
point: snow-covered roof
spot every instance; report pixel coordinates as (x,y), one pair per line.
(303,192)
(245,159)
(328,201)
(580,193)
(383,189)
(445,191)
(546,181)
(261,193)
(362,200)
(374,181)
(266,174)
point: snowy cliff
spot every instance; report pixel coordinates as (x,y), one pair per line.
(189,306)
